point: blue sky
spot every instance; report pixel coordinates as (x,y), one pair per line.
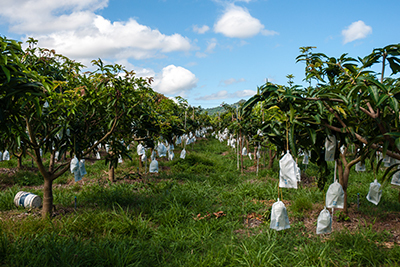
(207,51)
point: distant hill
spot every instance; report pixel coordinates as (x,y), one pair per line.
(213,111)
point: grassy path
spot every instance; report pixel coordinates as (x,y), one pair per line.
(197,212)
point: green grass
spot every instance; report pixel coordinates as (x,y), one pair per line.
(168,219)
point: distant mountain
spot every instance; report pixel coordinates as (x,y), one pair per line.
(213,111)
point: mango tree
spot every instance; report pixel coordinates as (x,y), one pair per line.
(348,101)
(63,112)
(118,93)
(359,103)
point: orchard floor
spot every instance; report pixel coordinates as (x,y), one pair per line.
(200,211)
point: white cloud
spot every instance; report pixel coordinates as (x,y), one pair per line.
(139,71)
(120,39)
(232,81)
(175,81)
(201,55)
(219,95)
(191,64)
(44,16)
(73,29)
(174,99)
(211,45)
(357,30)
(245,93)
(236,22)
(225,95)
(200,30)
(269,33)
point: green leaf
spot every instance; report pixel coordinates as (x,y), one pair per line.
(394,104)
(37,106)
(313,135)
(382,99)
(378,166)
(397,142)
(385,175)
(373,90)
(291,112)
(394,65)
(6,72)
(385,147)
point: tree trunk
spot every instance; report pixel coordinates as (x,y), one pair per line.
(52,160)
(238,148)
(241,155)
(346,174)
(140,162)
(343,170)
(111,173)
(19,166)
(255,155)
(47,197)
(271,159)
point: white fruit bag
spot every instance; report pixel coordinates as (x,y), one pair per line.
(171,155)
(324,222)
(396,177)
(360,167)
(74,165)
(386,161)
(140,149)
(335,194)
(153,155)
(183,154)
(75,169)
(244,151)
(171,147)
(162,150)
(305,158)
(375,192)
(6,155)
(330,147)
(287,171)
(82,168)
(153,166)
(178,140)
(279,217)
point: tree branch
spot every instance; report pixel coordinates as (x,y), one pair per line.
(60,166)
(36,150)
(61,172)
(104,137)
